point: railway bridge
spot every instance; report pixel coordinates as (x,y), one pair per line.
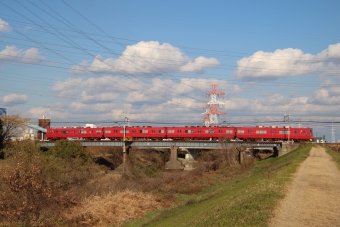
(190,146)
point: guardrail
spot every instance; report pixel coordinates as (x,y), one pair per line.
(164,144)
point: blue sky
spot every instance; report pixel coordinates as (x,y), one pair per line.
(80,62)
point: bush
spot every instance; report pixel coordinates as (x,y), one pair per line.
(36,187)
(68,150)
(25,191)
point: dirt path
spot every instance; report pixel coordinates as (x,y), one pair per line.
(313,199)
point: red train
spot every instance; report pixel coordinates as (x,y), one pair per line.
(257,133)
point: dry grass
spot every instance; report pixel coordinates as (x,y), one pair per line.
(114,209)
(69,190)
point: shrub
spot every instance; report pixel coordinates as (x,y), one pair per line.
(25,192)
(36,187)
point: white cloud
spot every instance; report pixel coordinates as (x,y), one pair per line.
(327,94)
(275,99)
(289,62)
(99,96)
(12,53)
(4,26)
(146,58)
(68,88)
(199,64)
(13,99)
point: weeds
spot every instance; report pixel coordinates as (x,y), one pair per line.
(64,187)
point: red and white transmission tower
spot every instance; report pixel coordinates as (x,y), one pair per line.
(211,113)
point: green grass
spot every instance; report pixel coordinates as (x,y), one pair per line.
(246,200)
(335,155)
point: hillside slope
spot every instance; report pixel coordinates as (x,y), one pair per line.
(247,200)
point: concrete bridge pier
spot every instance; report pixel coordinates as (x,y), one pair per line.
(126,150)
(173,163)
(189,162)
(241,152)
(286,148)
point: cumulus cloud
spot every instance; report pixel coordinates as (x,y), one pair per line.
(4,26)
(12,53)
(146,58)
(327,94)
(199,64)
(67,88)
(13,99)
(90,97)
(289,62)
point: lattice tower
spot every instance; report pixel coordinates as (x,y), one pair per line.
(211,108)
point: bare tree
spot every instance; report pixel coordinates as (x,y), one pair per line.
(1,139)
(12,125)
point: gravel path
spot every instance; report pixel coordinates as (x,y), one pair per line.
(313,199)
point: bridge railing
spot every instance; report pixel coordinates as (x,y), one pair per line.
(161,144)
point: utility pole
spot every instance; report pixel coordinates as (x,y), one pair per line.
(286,118)
(333,133)
(124,138)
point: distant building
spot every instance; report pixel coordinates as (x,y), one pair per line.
(318,140)
(2,111)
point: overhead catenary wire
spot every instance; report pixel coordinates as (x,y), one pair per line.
(52,51)
(83,49)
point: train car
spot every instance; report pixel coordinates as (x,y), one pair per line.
(74,133)
(135,132)
(301,134)
(273,133)
(200,132)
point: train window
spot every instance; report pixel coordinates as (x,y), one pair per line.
(171,131)
(229,131)
(107,131)
(210,131)
(122,131)
(240,131)
(261,132)
(143,131)
(82,131)
(63,132)
(189,131)
(160,131)
(98,131)
(284,132)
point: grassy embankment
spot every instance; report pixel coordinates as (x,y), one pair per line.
(246,200)
(335,155)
